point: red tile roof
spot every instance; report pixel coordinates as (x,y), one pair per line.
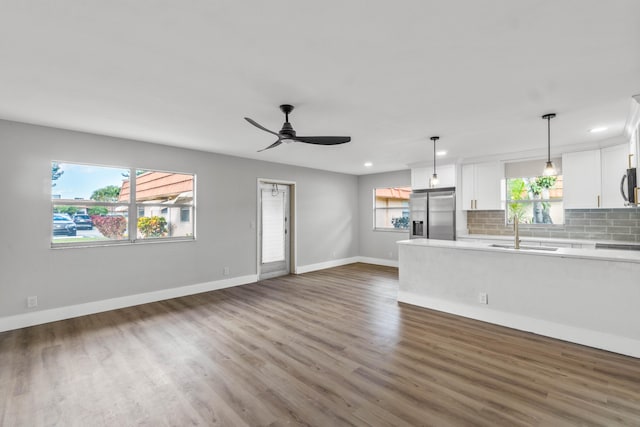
(157,185)
(394,193)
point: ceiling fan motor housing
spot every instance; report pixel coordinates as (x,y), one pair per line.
(287,131)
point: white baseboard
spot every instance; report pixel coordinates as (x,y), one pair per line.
(604,341)
(68,312)
(379,261)
(51,315)
(344,261)
(327,264)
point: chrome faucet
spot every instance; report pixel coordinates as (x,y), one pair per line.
(516,232)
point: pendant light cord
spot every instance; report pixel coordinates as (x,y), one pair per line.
(549,117)
(434,156)
(434,139)
(549,138)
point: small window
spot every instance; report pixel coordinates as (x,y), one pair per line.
(535,200)
(391,208)
(185,214)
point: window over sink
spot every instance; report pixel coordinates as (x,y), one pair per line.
(535,200)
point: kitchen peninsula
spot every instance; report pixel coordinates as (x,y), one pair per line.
(585,296)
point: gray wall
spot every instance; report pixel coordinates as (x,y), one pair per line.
(327,207)
(378,244)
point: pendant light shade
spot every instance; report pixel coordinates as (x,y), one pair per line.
(434,178)
(549,169)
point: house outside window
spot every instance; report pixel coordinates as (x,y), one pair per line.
(391,208)
(161,197)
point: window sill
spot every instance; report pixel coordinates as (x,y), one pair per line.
(392,230)
(105,244)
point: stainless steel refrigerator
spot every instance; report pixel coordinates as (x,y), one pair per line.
(433,214)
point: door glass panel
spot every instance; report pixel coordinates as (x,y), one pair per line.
(273,226)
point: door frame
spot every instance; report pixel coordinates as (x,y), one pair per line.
(293,224)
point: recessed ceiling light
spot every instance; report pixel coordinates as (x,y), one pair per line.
(368,164)
(598,129)
(441,153)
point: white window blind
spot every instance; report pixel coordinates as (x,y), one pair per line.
(273,226)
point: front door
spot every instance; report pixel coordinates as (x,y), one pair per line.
(274,230)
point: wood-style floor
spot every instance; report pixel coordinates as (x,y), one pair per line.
(327,348)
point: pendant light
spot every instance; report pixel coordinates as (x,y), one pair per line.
(434,177)
(549,169)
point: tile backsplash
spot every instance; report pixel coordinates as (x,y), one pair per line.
(588,224)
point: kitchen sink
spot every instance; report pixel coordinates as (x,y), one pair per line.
(626,247)
(524,247)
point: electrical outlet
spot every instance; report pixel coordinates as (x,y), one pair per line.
(32,302)
(483,298)
(390,254)
(333,254)
(225,271)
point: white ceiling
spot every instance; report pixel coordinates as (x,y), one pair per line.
(388,73)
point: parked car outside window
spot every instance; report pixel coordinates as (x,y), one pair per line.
(63,225)
(83,222)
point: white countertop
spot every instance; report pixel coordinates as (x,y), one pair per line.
(583,253)
(586,242)
(537,239)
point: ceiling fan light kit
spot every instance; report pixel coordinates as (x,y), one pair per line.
(287,133)
(549,169)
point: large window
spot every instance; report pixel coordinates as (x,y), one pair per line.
(93,204)
(535,200)
(391,208)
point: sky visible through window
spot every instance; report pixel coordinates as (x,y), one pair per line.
(80,181)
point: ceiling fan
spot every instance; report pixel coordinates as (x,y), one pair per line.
(287,133)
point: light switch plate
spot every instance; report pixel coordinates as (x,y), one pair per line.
(32,302)
(483,298)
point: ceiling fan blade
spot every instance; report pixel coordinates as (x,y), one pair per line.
(275,144)
(323,140)
(259,126)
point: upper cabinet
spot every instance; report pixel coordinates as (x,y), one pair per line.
(632,131)
(482,186)
(614,162)
(421,177)
(591,179)
(581,179)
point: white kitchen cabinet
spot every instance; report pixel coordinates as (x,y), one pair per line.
(591,179)
(632,131)
(614,163)
(482,186)
(421,177)
(581,179)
